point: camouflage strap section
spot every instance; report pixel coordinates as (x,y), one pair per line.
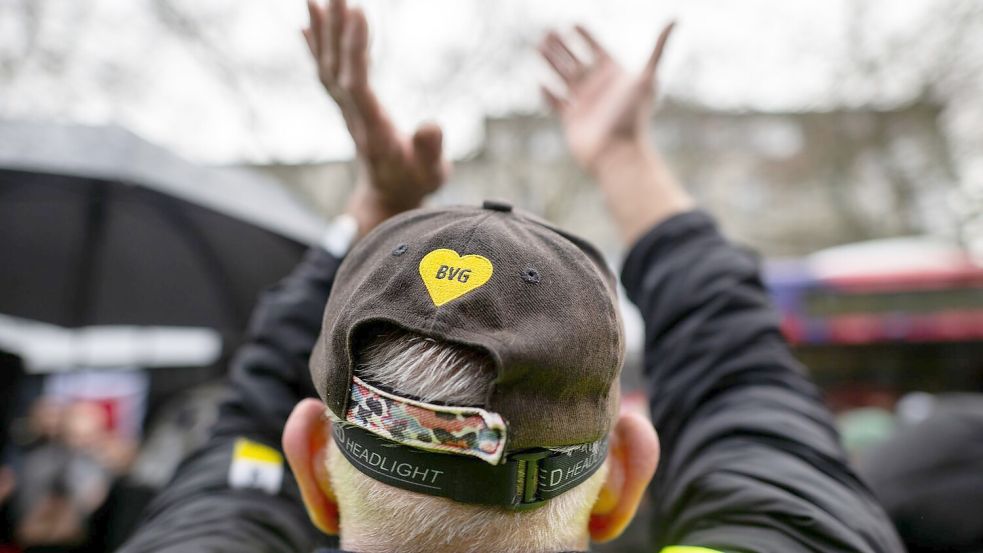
(463,430)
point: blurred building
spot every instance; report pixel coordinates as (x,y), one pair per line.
(785,183)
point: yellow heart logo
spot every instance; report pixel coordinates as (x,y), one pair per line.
(448,275)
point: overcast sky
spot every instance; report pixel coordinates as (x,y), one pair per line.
(228,81)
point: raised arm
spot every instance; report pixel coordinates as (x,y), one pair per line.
(236,493)
(750,459)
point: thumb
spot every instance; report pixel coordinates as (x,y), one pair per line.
(428,143)
(428,149)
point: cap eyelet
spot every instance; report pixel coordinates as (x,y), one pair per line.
(400,250)
(530,275)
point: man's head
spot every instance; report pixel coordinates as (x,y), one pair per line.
(478,408)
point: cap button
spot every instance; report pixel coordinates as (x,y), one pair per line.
(497,205)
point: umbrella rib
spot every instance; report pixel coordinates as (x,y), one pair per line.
(91,251)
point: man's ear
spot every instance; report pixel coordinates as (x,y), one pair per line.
(633,455)
(305,441)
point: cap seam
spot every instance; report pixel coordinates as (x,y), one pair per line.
(611,311)
(499,363)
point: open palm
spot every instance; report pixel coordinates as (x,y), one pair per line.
(602,105)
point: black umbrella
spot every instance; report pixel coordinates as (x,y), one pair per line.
(98,227)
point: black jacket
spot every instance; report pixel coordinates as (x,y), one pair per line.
(750,459)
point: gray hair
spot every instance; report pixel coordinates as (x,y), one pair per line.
(374,514)
(426,368)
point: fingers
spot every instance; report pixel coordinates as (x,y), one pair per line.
(354,52)
(428,142)
(428,151)
(324,37)
(561,58)
(558,45)
(354,72)
(555,103)
(338,39)
(595,47)
(313,34)
(653,61)
(310,40)
(337,19)
(361,103)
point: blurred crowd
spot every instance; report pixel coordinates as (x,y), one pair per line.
(77,465)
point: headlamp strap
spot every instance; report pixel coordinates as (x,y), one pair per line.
(523,480)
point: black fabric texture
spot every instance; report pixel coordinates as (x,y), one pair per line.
(750,459)
(198,510)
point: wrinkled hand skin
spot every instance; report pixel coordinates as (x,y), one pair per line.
(395,171)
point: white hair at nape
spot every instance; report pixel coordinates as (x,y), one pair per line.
(379,517)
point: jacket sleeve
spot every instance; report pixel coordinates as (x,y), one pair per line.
(236,493)
(750,459)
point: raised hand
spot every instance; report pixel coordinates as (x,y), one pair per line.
(396,171)
(605,114)
(602,106)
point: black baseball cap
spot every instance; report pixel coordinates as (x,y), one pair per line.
(539,301)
